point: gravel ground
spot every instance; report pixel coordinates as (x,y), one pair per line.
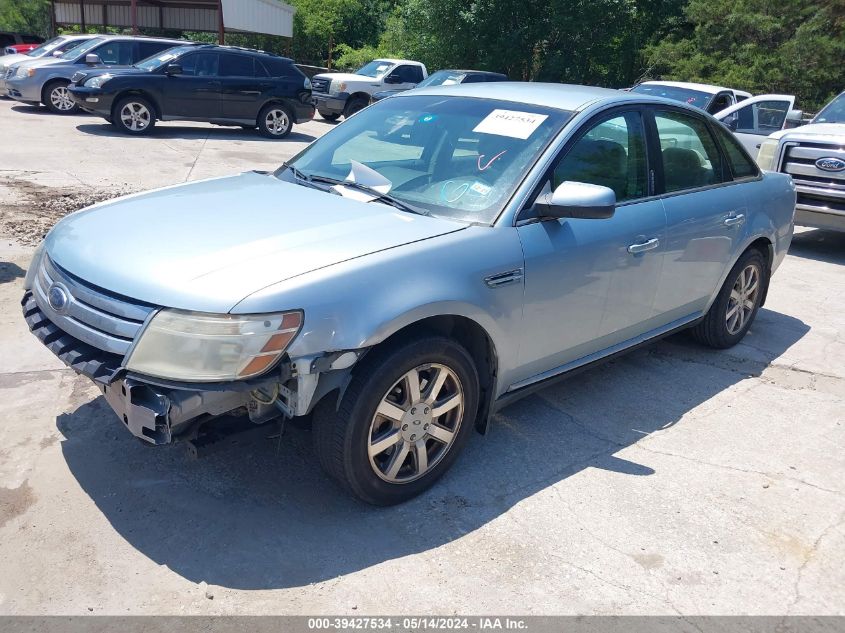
(673,480)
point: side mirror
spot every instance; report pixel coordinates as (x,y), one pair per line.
(93,59)
(577,200)
(393,79)
(172,69)
(794,118)
(731,122)
(57,53)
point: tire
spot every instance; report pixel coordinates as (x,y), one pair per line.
(355,105)
(329,116)
(57,98)
(376,457)
(275,121)
(134,115)
(727,322)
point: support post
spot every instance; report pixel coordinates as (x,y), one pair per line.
(82,15)
(52,18)
(134,17)
(221,28)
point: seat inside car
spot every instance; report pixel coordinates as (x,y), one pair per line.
(682,169)
(598,162)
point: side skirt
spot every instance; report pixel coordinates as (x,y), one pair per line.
(510,397)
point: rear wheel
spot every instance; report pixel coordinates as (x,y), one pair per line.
(134,115)
(57,98)
(404,418)
(736,306)
(275,121)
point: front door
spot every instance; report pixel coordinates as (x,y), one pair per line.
(590,284)
(754,119)
(194,94)
(705,213)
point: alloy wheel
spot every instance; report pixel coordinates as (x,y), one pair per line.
(61,99)
(277,121)
(416,423)
(135,116)
(743,299)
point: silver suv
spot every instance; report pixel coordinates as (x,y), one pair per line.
(46,80)
(435,257)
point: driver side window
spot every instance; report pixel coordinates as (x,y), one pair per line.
(612,154)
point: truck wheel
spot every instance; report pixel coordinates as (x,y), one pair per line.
(733,312)
(275,121)
(404,418)
(57,98)
(134,115)
(355,105)
(329,116)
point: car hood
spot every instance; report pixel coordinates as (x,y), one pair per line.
(8,60)
(347,77)
(80,76)
(814,129)
(206,246)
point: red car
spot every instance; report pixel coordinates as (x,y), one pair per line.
(14,43)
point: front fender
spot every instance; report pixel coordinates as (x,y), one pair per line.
(360,303)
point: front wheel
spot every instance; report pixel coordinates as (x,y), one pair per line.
(275,121)
(355,105)
(404,418)
(58,100)
(134,115)
(736,306)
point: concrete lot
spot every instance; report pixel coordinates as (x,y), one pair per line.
(675,480)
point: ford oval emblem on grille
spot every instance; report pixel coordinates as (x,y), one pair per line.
(58,298)
(831,164)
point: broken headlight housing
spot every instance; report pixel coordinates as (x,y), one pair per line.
(201,347)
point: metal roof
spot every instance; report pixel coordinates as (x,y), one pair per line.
(271,17)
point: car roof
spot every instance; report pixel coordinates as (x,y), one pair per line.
(468,70)
(688,85)
(560,96)
(398,61)
(242,49)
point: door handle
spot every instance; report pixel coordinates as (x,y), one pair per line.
(643,247)
(733,220)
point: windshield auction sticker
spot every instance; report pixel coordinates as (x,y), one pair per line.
(510,123)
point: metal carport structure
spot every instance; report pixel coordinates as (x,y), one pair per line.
(270,17)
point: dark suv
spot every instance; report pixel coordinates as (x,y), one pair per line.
(217,84)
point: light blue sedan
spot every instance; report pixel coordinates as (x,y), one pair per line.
(432,259)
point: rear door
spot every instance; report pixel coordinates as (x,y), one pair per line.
(195,94)
(754,119)
(241,88)
(705,211)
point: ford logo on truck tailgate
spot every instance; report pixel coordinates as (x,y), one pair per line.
(831,164)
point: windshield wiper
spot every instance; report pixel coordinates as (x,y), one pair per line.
(378,195)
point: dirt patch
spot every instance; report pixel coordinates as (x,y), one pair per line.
(34,208)
(15,501)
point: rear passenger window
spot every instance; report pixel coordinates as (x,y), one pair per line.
(260,70)
(119,53)
(236,66)
(739,162)
(148,49)
(690,156)
(611,154)
(199,65)
(409,74)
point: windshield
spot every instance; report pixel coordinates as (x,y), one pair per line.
(78,51)
(452,157)
(46,47)
(833,112)
(685,95)
(375,68)
(160,59)
(442,78)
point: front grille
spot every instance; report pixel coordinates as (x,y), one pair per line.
(320,85)
(9,73)
(818,190)
(95,317)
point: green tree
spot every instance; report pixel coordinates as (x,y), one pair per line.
(795,47)
(25,16)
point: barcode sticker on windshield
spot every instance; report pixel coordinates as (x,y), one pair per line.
(510,123)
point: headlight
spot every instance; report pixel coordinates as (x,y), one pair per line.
(96,82)
(307,84)
(201,347)
(767,155)
(337,87)
(25,72)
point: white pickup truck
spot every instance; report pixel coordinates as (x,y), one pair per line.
(814,155)
(336,94)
